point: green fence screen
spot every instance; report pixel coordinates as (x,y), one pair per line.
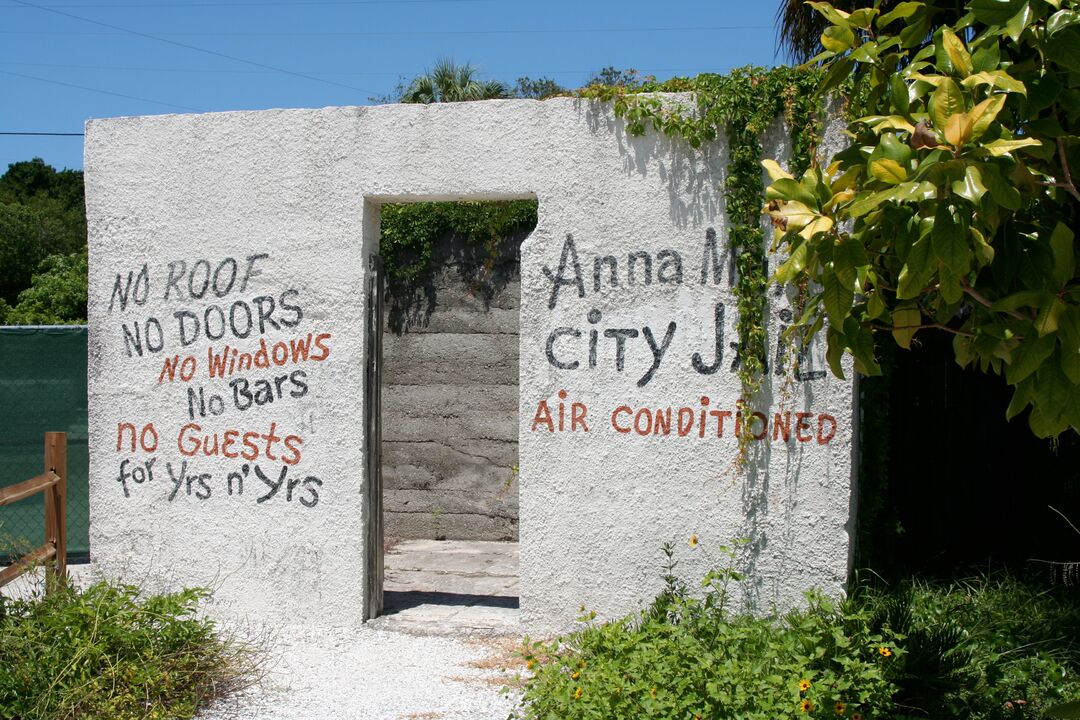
(43,388)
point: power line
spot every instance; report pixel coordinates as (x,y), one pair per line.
(191,47)
(227,71)
(645,70)
(51,134)
(259,3)
(103,92)
(375,33)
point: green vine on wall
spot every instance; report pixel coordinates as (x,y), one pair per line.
(409,231)
(740,105)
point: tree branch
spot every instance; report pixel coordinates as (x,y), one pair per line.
(1065,168)
(933,326)
(981,299)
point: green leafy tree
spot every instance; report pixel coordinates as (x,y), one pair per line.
(801,25)
(57,294)
(539,89)
(42,213)
(953,209)
(613,77)
(450,82)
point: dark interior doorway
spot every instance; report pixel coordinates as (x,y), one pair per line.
(948,486)
(447,405)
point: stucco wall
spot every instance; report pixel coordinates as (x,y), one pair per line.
(302,187)
(450,399)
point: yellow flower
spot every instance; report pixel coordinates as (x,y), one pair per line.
(577,694)
(618,691)
(530,664)
(804,685)
(885,652)
(840,708)
(653,692)
(693,541)
(856,716)
(575,675)
(806,706)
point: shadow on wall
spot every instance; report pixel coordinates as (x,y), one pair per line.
(486,271)
(692,177)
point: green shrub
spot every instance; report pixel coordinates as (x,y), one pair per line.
(687,657)
(987,649)
(105,652)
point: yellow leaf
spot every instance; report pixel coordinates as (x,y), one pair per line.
(794,214)
(906,322)
(862,17)
(775,171)
(1004,147)
(819,224)
(837,39)
(946,101)
(984,113)
(934,80)
(888,171)
(839,199)
(997,78)
(954,48)
(958,129)
(847,180)
(888,122)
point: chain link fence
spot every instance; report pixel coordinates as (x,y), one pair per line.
(43,388)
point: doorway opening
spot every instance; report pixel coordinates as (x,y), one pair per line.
(443,405)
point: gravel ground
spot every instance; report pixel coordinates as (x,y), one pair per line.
(346,674)
(424,661)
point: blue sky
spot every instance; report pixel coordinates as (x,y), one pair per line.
(65,61)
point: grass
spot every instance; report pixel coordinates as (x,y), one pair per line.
(107,651)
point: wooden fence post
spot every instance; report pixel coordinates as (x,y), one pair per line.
(56,506)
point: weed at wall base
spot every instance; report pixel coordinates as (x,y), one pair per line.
(988,649)
(106,652)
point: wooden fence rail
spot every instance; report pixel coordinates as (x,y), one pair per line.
(53,483)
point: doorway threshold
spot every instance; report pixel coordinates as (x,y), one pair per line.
(451,587)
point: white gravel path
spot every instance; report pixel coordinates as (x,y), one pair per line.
(367,673)
(423,662)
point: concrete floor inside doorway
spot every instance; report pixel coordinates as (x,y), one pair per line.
(451,587)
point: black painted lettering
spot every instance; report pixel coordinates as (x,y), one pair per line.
(710,257)
(177,268)
(550,347)
(718,348)
(265,308)
(613,271)
(631,267)
(205,281)
(559,279)
(670,270)
(298,314)
(229,265)
(251,272)
(138,294)
(657,351)
(620,335)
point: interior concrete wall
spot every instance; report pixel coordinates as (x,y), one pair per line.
(450,399)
